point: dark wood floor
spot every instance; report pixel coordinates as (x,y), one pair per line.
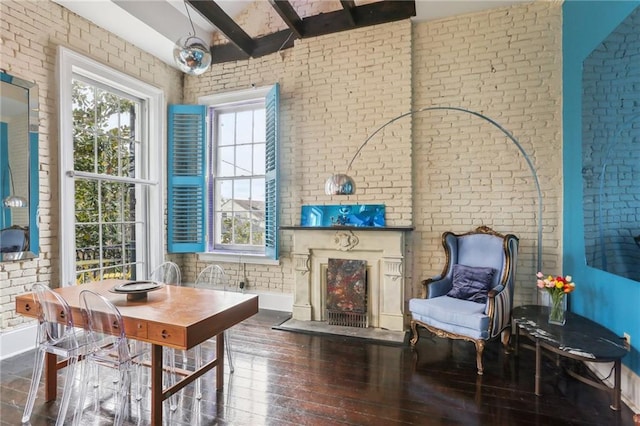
(287,378)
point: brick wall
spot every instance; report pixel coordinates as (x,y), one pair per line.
(505,64)
(31,33)
(336,90)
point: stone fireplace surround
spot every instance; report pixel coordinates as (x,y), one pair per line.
(381,248)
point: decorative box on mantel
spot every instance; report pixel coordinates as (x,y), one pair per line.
(381,248)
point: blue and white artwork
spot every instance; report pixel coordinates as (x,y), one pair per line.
(357,215)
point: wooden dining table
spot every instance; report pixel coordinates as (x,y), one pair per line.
(172,316)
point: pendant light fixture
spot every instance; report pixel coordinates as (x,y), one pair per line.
(191,53)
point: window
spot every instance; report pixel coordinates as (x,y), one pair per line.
(238,175)
(107,186)
(223,188)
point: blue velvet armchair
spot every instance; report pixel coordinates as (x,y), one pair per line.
(472,298)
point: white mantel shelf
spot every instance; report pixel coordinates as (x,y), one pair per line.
(383,250)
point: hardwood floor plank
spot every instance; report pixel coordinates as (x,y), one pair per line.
(286,378)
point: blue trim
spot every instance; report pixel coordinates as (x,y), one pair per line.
(272,173)
(186,182)
(5,184)
(34,194)
(608,299)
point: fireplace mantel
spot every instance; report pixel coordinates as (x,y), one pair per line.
(382,248)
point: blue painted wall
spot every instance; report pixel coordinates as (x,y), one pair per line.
(608,299)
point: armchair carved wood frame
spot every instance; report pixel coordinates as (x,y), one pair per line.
(455,318)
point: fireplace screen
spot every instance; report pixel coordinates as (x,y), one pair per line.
(347,292)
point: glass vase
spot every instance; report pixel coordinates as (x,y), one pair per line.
(557,309)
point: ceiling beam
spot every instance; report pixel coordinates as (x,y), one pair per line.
(348,6)
(265,45)
(312,26)
(227,26)
(289,16)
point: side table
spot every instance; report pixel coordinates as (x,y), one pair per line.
(580,338)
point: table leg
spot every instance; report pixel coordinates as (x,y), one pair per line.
(616,386)
(51,376)
(156,384)
(517,340)
(538,367)
(220,357)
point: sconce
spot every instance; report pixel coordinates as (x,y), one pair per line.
(191,53)
(13,200)
(343,184)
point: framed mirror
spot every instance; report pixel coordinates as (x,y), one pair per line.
(611,151)
(19,168)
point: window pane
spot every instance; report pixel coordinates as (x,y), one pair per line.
(86,201)
(243,160)
(257,229)
(244,125)
(257,193)
(242,228)
(225,161)
(225,193)
(84,146)
(112,196)
(259,123)
(226,128)
(258,159)
(241,188)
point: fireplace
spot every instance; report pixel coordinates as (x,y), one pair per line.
(383,251)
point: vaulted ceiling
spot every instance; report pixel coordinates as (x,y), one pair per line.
(231,26)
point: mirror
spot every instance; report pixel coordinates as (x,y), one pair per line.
(611,151)
(19,189)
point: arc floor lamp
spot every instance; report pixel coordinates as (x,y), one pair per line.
(343,184)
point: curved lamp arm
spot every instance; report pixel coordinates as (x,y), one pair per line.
(342,184)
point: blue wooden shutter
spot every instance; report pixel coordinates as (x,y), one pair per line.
(272,215)
(186,164)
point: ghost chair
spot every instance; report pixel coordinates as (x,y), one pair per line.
(55,335)
(109,347)
(213,277)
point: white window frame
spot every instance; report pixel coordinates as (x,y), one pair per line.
(69,64)
(216,101)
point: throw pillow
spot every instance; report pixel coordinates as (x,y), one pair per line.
(471,283)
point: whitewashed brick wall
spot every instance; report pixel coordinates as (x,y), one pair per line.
(505,64)
(31,33)
(335,91)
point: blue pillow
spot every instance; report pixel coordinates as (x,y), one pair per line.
(471,283)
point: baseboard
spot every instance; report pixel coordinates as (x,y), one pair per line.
(17,341)
(630,382)
(274,301)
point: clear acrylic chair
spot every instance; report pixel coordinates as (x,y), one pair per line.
(58,338)
(212,277)
(108,346)
(169,273)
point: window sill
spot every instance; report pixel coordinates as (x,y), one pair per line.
(230,257)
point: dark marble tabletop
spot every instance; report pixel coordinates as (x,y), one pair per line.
(579,336)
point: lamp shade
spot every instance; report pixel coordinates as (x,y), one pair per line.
(339,184)
(192,55)
(14,201)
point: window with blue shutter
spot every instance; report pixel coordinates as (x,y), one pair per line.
(186,165)
(234,224)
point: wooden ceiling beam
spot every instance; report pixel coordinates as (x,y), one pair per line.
(227,26)
(243,47)
(265,45)
(289,16)
(362,16)
(347,7)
